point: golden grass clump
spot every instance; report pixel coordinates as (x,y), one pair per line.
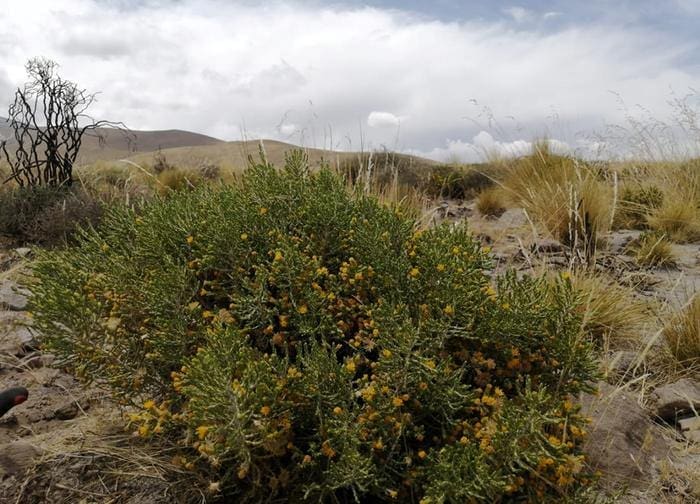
(653,249)
(682,333)
(561,194)
(678,217)
(176,179)
(611,313)
(491,202)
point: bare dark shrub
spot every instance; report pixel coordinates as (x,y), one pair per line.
(48,119)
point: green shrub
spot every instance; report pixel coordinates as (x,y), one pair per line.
(297,342)
(46,215)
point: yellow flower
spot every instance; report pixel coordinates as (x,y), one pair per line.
(368,393)
(303,309)
(265,410)
(490,291)
(337,410)
(244,236)
(422,454)
(149,404)
(414,272)
(440,267)
(263,211)
(350,366)
(392,493)
(397,401)
(430,364)
(202,431)
(449,310)
(105,247)
(278,256)
(327,450)
(190,239)
(566,275)
(143,431)
(386,353)
(322,271)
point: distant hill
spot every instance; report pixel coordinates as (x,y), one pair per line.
(118,144)
(234,155)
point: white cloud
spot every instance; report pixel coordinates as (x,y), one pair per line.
(320,74)
(519,14)
(483,146)
(288,129)
(382,120)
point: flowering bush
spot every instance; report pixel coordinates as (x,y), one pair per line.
(300,342)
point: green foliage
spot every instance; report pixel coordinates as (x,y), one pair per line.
(46,215)
(298,342)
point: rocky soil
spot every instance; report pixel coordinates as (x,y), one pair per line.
(67,443)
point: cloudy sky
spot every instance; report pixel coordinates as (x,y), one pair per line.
(444,78)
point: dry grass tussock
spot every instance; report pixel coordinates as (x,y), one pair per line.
(682,333)
(563,196)
(612,315)
(653,249)
(491,202)
(112,469)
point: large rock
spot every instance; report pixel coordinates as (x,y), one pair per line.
(624,444)
(13,297)
(677,400)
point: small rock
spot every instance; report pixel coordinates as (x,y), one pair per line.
(623,363)
(677,399)
(623,443)
(23,252)
(48,359)
(69,410)
(17,456)
(548,247)
(690,428)
(514,217)
(13,297)
(17,341)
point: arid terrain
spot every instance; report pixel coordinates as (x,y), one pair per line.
(69,442)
